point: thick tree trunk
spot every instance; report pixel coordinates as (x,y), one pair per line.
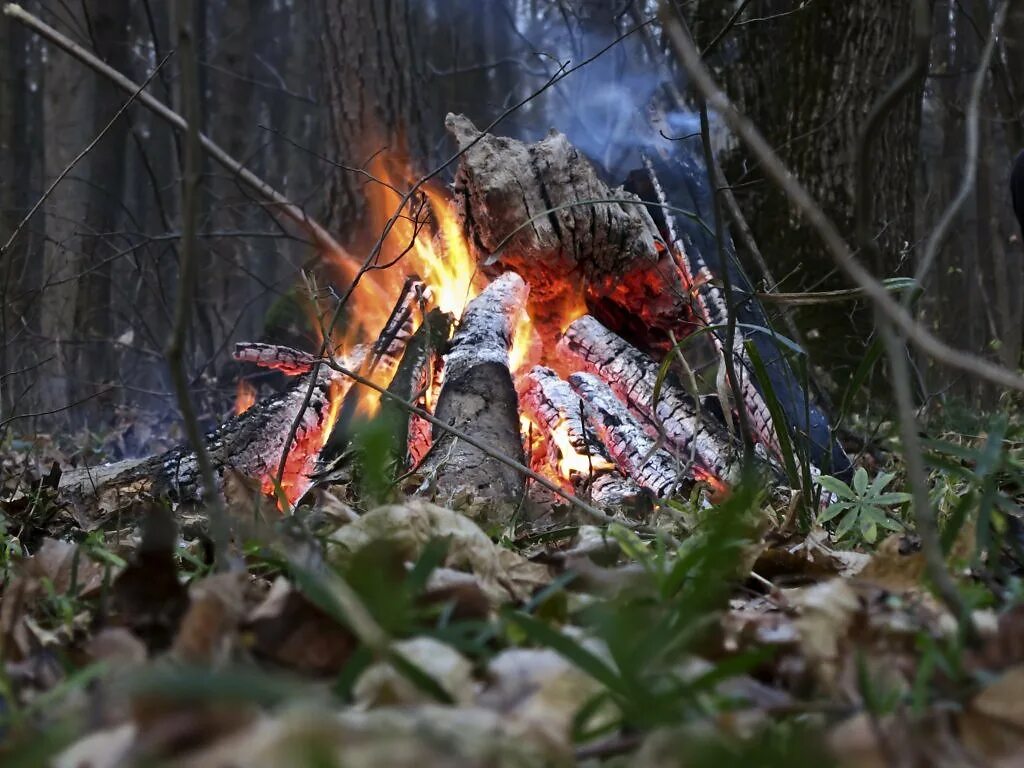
(807,74)
(372,99)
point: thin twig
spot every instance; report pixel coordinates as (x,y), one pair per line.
(190,99)
(278,202)
(924,515)
(836,246)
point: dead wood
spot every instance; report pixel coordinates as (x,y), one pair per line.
(542,210)
(633,375)
(477,397)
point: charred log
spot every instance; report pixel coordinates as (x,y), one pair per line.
(412,382)
(541,210)
(250,443)
(634,451)
(478,397)
(633,375)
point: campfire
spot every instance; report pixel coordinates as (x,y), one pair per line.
(532,310)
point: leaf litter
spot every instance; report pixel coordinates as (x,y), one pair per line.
(408,634)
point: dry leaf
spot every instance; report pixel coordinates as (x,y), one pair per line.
(428,736)
(538,693)
(826,612)
(382,685)
(209,626)
(503,574)
(287,629)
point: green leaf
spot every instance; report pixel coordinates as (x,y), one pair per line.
(846,525)
(836,486)
(834,511)
(881,480)
(889,499)
(869,531)
(860,481)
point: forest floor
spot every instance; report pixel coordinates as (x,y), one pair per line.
(399,633)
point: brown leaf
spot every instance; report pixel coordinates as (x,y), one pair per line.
(147,597)
(895,567)
(209,626)
(64,566)
(287,629)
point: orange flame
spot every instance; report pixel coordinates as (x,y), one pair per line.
(570,460)
(245,397)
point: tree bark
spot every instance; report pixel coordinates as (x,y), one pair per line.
(372,101)
(807,74)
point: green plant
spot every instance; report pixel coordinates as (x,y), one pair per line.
(863,508)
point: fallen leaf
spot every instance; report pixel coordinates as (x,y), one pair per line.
(503,574)
(826,612)
(383,685)
(288,630)
(209,627)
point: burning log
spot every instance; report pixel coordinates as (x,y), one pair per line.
(539,201)
(572,449)
(557,410)
(477,396)
(250,443)
(633,376)
(414,381)
(633,450)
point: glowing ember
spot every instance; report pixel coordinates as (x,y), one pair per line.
(245,397)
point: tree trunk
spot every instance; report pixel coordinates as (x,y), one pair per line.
(807,74)
(372,99)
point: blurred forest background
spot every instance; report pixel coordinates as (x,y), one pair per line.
(307,93)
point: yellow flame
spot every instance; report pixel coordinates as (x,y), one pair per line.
(569,459)
(245,397)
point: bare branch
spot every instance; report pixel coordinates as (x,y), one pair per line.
(836,246)
(278,201)
(190,99)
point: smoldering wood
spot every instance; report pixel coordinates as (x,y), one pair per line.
(478,397)
(249,443)
(633,375)
(633,450)
(415,373)
(292,362)
(545,193)
(551,404)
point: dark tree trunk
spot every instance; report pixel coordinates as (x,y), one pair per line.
(806,75)
(372,97)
